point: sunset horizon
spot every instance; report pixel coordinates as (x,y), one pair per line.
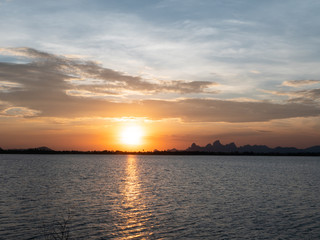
(173,76)
(159,119)
(136,148)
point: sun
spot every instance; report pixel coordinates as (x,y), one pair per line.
(131,135)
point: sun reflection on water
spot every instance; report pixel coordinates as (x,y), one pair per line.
(134,211)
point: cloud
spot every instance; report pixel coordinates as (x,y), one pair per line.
(20,112)
(57,86)
(26,52)
(135,85)
(299,83)
(210,110)
(6,86)
(228,36)
(91,77)
(313,93)
(308,96)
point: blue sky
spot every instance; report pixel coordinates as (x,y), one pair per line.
(234,51)
(244,45)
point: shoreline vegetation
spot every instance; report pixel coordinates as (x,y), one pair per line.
(210,149)
(182,153)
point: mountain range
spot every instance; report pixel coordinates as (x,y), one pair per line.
(217,147)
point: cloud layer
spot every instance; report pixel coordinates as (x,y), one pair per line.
(299,83)
(58,86)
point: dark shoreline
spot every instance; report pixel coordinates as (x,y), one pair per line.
(182,153)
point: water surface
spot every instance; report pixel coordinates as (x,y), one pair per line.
(160,197)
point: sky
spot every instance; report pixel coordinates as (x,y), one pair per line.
(74,74)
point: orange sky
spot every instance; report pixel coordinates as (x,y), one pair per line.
(105,133)
(64,103)
(75,76)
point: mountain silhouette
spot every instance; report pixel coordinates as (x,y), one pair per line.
(43,149)
(30,150)
(217,147)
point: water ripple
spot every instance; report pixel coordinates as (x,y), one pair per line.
(160,197)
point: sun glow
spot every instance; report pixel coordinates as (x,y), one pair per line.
(131,135)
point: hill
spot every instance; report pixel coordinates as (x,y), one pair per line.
(217,147)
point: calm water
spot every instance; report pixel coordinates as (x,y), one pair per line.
(160,197)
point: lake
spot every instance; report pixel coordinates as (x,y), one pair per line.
(160,197)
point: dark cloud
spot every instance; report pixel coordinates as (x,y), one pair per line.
(313,93)
(307,96)
(109,81)
(206,110)
(47,81)
(136,85)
